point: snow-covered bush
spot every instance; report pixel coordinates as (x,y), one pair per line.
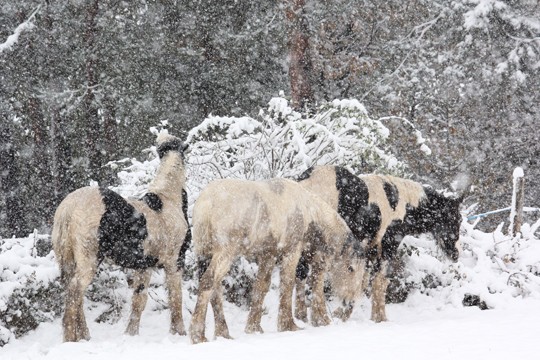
(491,267)
(30,292)
(281,142)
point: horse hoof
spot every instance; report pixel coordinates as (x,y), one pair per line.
(180,330)
(378,318)
(224,336)
(254,329)
(222,331)
(197,339)
(289,327)
(340,314)
(322,321)
(71,339)
(131,331)
(301,316)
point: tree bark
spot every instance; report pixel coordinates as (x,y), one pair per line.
(91,116)
(300,64)
(14,224)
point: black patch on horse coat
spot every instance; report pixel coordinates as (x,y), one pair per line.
(302,269)
(171,145)
(121,233)
(313,238)
(153,201)
(391,240)
(436,214)
(187,240)
(202,264)
(363,218)
(392,194)
(427,216)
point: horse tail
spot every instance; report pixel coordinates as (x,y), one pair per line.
(202,237)
(63,247)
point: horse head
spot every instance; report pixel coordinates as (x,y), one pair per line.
(447,220)
(166,143)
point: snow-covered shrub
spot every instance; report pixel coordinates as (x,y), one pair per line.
(30,292)
(281,142)
(108,290)
(491,267)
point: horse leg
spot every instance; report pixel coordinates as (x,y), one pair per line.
(286,285)
(302,273)
(300,307)
(74,301)
(141,280)
(378,295)
(173,280)
(74,321)
(221,328)
(262,284)
(210,281)
(344,312)
(319,316)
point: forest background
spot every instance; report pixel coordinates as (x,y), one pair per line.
(84,80)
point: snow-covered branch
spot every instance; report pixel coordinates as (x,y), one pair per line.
(13,38)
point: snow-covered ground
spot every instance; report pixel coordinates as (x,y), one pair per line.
(431,324)
(421,328)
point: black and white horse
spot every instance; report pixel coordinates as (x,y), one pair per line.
(93,223)
(380,211)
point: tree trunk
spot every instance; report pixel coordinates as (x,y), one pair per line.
(110,140)
(91,116)
(300,65)
(14,224)
(61,155)
(40,199)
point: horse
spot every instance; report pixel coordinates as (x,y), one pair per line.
(380,211)
(92,224)
(269,222)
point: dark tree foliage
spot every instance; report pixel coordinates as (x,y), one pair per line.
(84,85)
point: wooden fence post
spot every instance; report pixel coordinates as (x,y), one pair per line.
(516,214)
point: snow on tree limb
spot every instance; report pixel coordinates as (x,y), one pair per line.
(13,38)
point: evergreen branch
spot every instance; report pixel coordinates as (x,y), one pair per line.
(13,38)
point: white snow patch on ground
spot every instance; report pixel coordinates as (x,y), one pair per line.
(421,328)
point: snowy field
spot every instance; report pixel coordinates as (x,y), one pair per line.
(421,328)
(431,324)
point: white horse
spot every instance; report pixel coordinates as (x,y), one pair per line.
(93,223)
(269,222)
